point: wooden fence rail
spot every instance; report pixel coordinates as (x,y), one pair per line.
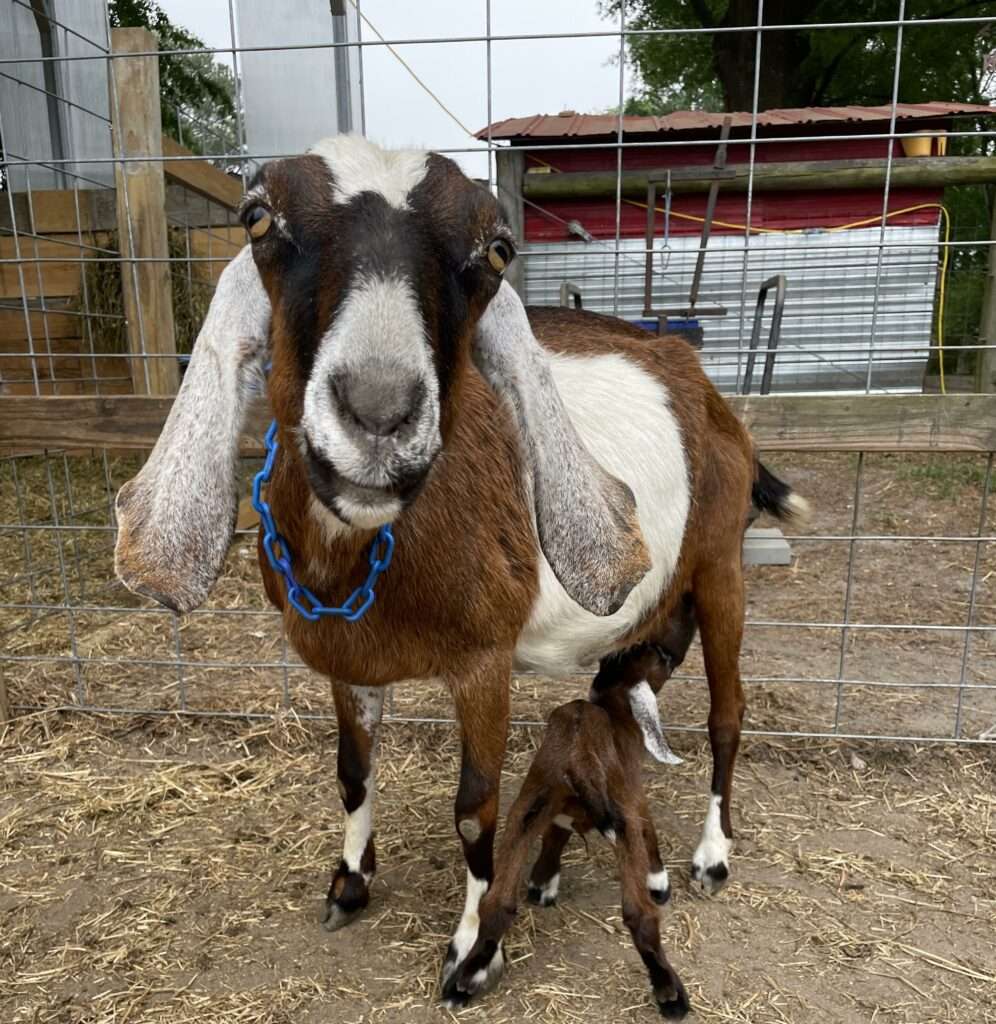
(906,423)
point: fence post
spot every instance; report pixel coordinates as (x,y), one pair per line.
(141,208)
(511,167)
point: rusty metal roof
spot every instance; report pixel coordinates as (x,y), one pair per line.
(570,124)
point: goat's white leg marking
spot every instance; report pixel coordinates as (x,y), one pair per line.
(359,827)
(659,884)
(340,909)
(466,935)
(710,864)
(546,894)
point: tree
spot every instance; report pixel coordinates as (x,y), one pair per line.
(806,67)
(815,67)
(197,93)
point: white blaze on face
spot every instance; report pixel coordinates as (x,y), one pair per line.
(358,165)
(378,330)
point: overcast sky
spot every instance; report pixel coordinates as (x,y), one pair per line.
(528,77)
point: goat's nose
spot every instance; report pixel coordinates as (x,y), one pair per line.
(378,402)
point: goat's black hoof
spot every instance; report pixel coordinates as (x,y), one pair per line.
(712,878)
(661,896)
(540,895)
(333,917)
(462,981)
(673,1002)
(348,897)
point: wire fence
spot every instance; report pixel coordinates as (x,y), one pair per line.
(882,626)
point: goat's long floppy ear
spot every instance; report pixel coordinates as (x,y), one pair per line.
(585,517)
(643,702)
(176,518)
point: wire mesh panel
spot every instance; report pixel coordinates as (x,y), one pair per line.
(882,624)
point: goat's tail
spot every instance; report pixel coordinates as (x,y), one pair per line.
(775,496)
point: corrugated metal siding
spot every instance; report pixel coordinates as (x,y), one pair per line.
(828,310)
(571,124)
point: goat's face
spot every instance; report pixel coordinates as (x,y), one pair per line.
(378,265)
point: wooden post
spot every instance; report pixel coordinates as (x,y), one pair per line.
(141,208)
(985,364)
(511,167)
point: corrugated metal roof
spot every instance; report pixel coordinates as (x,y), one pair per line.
(570,124)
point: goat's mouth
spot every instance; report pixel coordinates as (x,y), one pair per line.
(361,504)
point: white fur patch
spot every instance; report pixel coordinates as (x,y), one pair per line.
(466,934)
(548,891)
(358,165)
(379,328)
(797,508)
(332,526)
(369,701)
(658,881)
(624,418)
(368,516)
(359,825)
(714,847)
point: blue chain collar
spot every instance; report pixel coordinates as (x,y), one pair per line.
(279,554)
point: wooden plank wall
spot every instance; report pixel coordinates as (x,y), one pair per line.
(73,223)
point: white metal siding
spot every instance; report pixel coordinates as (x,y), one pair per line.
(828,308)
(290,95)
(24,110)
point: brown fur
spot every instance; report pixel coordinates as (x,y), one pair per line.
(588,768)
(464,576)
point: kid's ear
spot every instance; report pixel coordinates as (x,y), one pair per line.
(643,702)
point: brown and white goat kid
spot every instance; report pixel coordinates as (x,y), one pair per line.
(557,480)
(586,775)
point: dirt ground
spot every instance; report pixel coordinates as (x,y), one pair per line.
(164,871)
(169,869)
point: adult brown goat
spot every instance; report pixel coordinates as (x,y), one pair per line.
(556,481)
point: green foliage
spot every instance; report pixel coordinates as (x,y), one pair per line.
(197,93)
(944,477)
(806,67)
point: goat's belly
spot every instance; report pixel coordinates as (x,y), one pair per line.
(623,415)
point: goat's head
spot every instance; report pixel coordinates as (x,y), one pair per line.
(381,275)
(378,265)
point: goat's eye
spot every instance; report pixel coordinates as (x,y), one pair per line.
(257,220)
(500,254)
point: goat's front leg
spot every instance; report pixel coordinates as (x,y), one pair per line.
(481,696)
(530,815)
(358,710)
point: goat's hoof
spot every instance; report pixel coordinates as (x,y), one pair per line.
(712,877)
(333,917)
(672,1001)
(544,895)
(461,980)
(661,896)
(674,1006)
(348,897)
